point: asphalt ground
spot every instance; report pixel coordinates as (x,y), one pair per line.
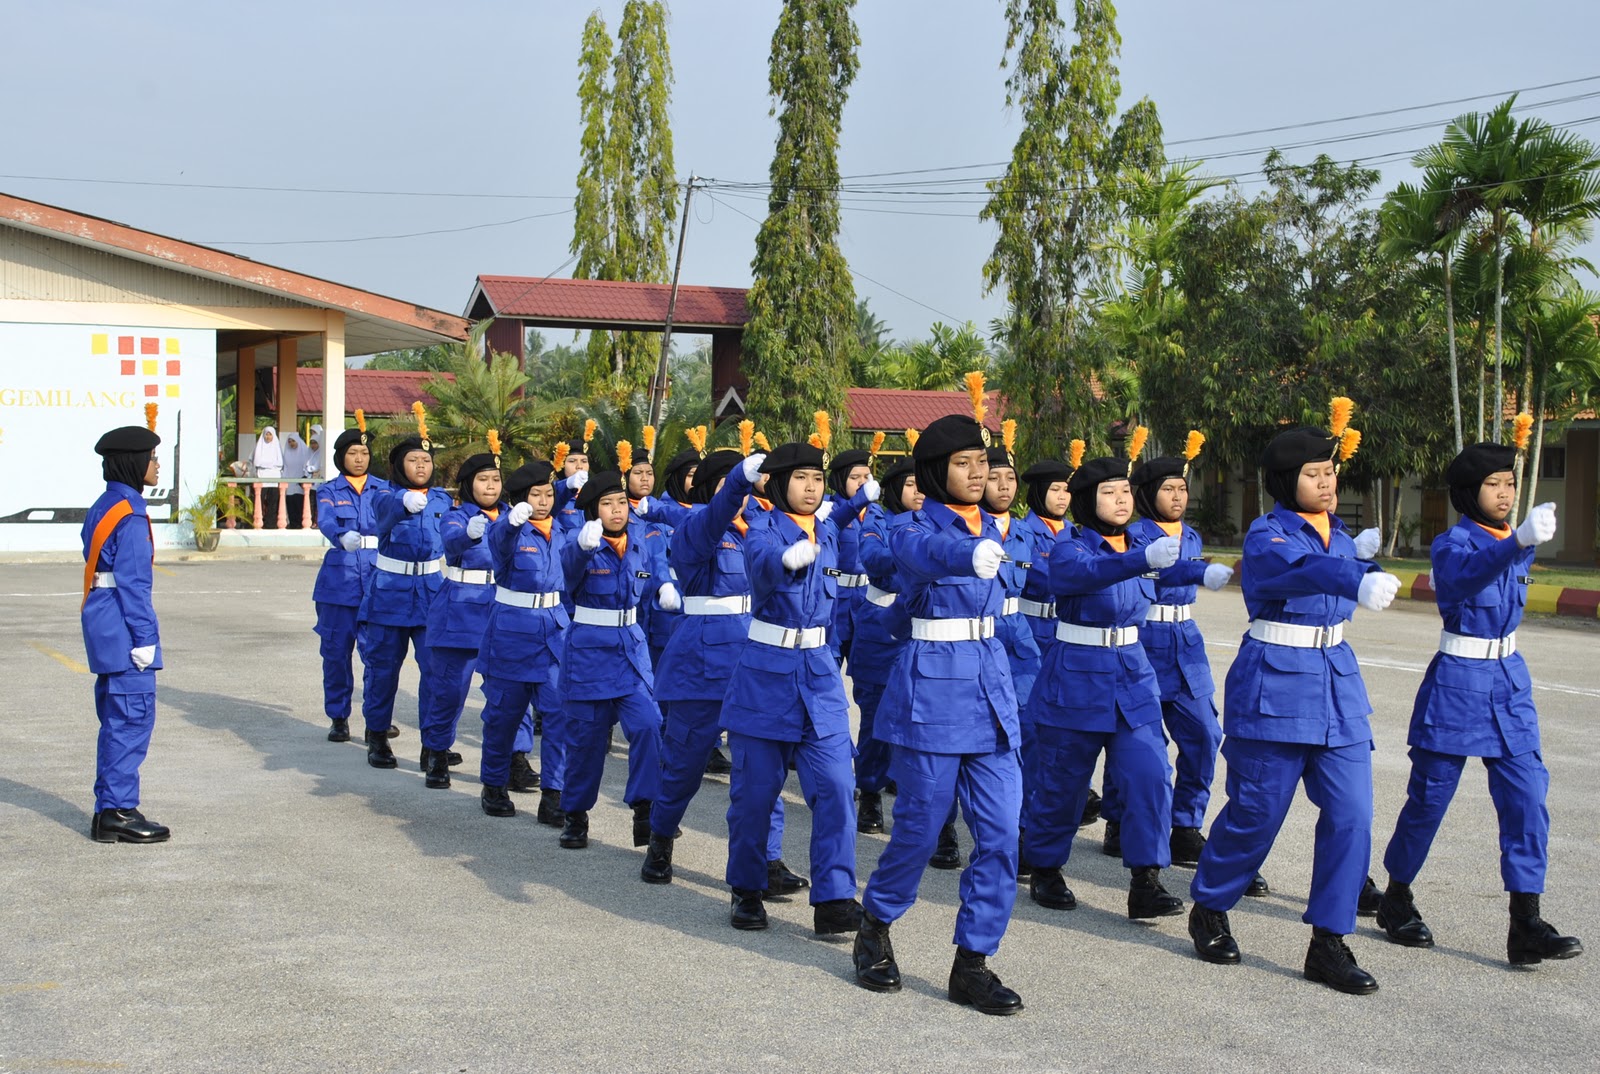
(315,914)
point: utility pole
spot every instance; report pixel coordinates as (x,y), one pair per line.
(658,390)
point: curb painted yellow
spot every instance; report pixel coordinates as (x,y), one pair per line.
(1543,598)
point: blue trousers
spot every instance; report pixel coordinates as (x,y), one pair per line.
(760,768)
(451,672)
(505,716)
(126,723)
(1262,777)
(1192,725)
(587,730)
(1517,785)
(383,652)
(692,729)
(872,755)
(1135,756)
(988,787)
(336,626)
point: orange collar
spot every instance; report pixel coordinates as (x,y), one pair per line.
(1056,525)
(971,514)
(1003,521)
(1119,542)
(357,483)
(1498,534)
(807,523)
(1321,524)
(542,525)
(492,512)
(619,545)
(1171,529)
(766,504)
(741,525)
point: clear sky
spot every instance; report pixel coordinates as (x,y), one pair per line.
(479,98)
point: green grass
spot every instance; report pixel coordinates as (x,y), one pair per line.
(1564,575)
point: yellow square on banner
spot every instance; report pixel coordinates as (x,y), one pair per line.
(172,345)
(148,367)
(172,391)
(100,343)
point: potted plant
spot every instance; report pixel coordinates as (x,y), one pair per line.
(217,504)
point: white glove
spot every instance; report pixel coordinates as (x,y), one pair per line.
(643,507)
(798,555)
(521,513)
(1431,587)
(986,558)
(872,489)
(476,526)
(1368,542)
(143,656)
(1538,527)
(578,480)
(1162,553)
(349,540)
(1377,591)
(1217,575)
(589,536)
(667,596)
(415,501)
(752,467)
(824,509)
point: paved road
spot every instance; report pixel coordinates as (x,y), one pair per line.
(312,913)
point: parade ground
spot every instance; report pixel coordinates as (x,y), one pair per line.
(314,914)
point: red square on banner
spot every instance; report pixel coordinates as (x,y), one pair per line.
(127,367)
(149,345)
(173,367)
(152,389)
(124,344)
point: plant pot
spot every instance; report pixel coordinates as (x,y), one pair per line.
(207,542)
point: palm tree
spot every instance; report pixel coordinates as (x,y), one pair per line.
(1564,344)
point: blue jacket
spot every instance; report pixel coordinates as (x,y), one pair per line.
(669,512)
(121,619)
(1278,693)
(947,696)
(659,624)
(1177,650)
(345,576)
(524,644)
(597,660)
(1014,630)
(850,598)
(1036,583)
(1468,707)
(567,515)
(881,633)
(460,610)
(403,599)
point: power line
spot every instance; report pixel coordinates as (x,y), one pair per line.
(379,238)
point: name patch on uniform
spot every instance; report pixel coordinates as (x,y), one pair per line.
(833,572)
(641,574)
(528,548)
(1525,579)
(1025,564)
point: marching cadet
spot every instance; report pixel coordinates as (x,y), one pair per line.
(1295,709)
(785,701)
(950,716)
(394,609)
(640,476)
(1476,700)
(847,472)
(120,632)
(346,518)
(572,459)
(459,613)
(677,484)
(521,649)
(605,665)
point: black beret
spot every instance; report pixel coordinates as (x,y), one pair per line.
(527,476)
(1095,471)
(1477,462)
(1158,470)
(1293,448)
(791,456)
(598,485)
(1047,472)
(682,460)
(902,469)
(347,440)
(575,447)
(894,483)
(999,456)
(127,440)
(472,467)
(713,468)
(847,459)
(948,435)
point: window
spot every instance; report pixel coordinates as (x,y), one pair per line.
(1553,464)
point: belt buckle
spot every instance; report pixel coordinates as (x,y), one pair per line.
(1108,637)
(1324,637)
(1497,649)
(791,638)
(975,630)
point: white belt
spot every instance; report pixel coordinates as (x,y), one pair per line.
(614,617)
(788,637)
(369,541)
(1037,609)
(103,580)
(1169,613)
(881,597)
(1011,606)
(1296,636)
(734,605)
(457,574)
(1472,648)
(952,629)
(406,566)
(852,581)
(518,599)
(1104,637)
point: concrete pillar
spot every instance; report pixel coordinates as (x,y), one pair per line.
(287,355)
(332,388)
(1577,515)
(247,403)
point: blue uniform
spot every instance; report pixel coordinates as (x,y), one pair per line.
(456,620)
(1038,611)
(341,580)
(882,631)
(949,712)
(567,514)
(118,617)
(1477,707)
(852,581)
(1293,715)
(1013,628)
(659,624)
(394,609)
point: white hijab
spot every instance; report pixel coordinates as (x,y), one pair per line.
(268,458)
(295,455)
(314,462)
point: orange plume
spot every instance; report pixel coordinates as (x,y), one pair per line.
(815,441)
(912,436)
(1008,435)
(1521,428)
(1075,454)
(877,442)
(150,416)
(824,429)
(649,442)
(494,442)
(624,456)
(361,419)
(1136,442)
(975,381)
(1192,446)
(421,413)
(1349,444)
(763,443)
(1339,414)
(747,431)
(558,458)
(697,439)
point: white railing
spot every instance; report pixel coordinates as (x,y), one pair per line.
(308,487)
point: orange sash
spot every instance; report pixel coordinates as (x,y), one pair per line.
(102,533)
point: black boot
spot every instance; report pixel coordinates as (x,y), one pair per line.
(495,801)
(1091,809)
(1048,888)
(1147,898)
(393,732)
(130,826)
(575,832)
(524,780)
(1258,887)
(1398,917)
(379,755)
(1112,846)
(450,757)
(340,731)
(747,915)
(1024,870)
(869,812)
(947,855)
(1186,845)
(641,822)
(538,725)
(1532,939)
(782,881)
(717,764)
(836,916)
(550,808)
(657,867)
(1329,961)
(876,970)
(437,769)
(1367,902)
(1213,939)
(973,982)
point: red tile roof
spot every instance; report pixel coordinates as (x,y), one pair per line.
(608,302)
(379,392)
(893,409)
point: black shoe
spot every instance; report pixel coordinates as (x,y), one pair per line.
(495,801)
(876,970)
(972,982)
(1532,939)
(869,812)
(836,916)
(641,822)
(1024,870)
(130,826)
(781,882)
(538,725)
(1186,844)
(550,813)
(394,731)
(575,832)
(379,755)
(1148,899)
(1329,961)
(340,731)
(524,780)
(451,757)
(1258,887)
(1111,847)
(717,763)
(1367,902)
(437,767)
(1213,939)
(747,915)
(1048,888)
(947,855)
(657,867)
(1091,809)
(1399,919)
